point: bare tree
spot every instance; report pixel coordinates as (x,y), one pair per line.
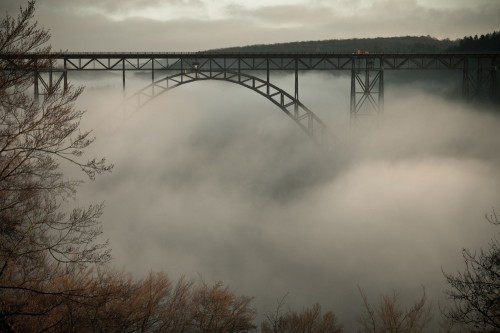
(389,317)
(113,301)
(309,320)
(39,243)
(274,321)
(215,309)
(476,291)
(176,318)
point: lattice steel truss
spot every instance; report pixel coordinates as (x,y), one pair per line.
(252,70)
(367,89)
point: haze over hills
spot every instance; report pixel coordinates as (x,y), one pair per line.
(407,44)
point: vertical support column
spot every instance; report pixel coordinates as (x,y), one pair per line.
(152,70)
(153,76)
(239,69)
(367,79)
(65,87)
(51,85)
(166,71)
(267,74)
(493,81)
(466,80)
(365,102)
(36,92)
(182,69)
(296,108)
(479,78)
(381,87)
(210,65)
(353,89)
(123,75)
(225,69)
(196,66)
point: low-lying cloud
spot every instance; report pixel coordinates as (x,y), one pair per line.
(213,180)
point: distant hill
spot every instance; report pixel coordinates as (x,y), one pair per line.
(408,44)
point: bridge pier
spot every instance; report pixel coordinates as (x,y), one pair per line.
(363,89)
(123,75)
(466,81)
(381,89)
(267,75)
(36,92)
(47,79)
(481,81)
(296,95)
(494,93)
(65,84)
(152,70)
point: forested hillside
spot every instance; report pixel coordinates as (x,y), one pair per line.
(408,44)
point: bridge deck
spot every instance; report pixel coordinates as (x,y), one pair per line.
(206,61)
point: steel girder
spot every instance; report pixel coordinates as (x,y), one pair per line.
(480,70)
(251,61)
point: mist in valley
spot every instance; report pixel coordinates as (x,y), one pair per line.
(213,181)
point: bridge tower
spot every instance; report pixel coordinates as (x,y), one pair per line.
(367,88)
(46,80)
(480,79)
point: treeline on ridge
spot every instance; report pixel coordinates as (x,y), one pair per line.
(484,43)
(407,44)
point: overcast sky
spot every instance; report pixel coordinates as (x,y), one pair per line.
(191,25)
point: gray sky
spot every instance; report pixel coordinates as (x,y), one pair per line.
(190,25)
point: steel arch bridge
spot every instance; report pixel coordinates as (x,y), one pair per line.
(252,70)
(309,122)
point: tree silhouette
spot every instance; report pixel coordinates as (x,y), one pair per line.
(476,291)
(389,317)
(310,320)
(39,244)
(485,43)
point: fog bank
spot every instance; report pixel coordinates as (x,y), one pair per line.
(213,180)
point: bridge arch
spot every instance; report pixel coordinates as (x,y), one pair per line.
(309,122)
